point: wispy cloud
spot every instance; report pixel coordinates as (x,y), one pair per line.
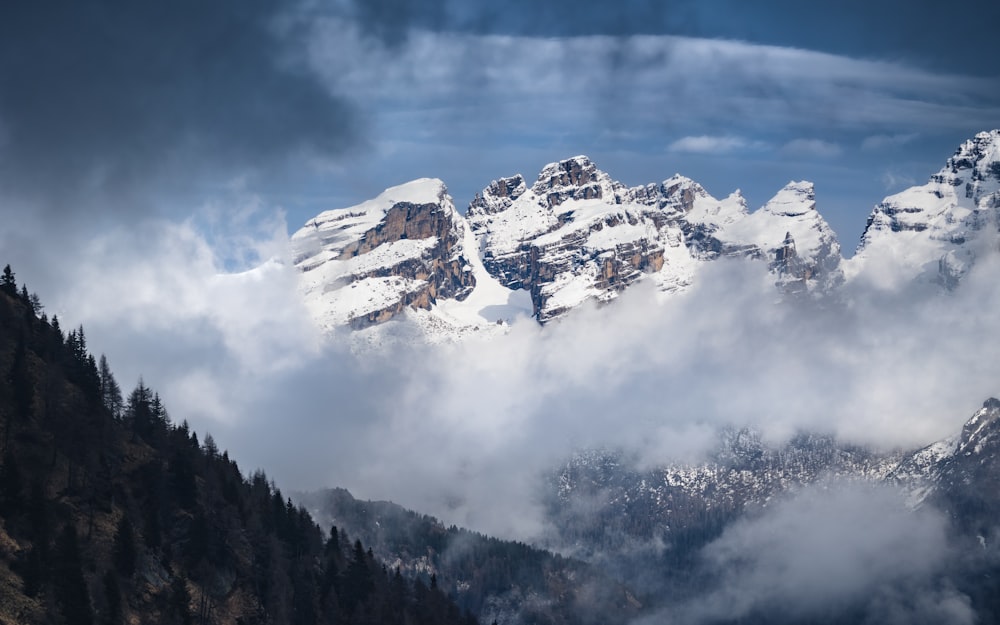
(879,142)
(836,547)
(893,180)
(812,147)
(706,144)
(656,81)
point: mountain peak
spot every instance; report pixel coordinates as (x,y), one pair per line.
(794,199)
(931,232)
(575,234)
(365,264)
(576,178)
(980,154)
(419,191)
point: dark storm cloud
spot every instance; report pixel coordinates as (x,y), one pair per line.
(391,20)
(954,40)
(97,98)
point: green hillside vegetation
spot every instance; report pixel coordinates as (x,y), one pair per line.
(110,513)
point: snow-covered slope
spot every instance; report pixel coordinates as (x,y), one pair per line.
(964,468)
(575,234)
(934,232)
(569,237)
(807,255)
(407,252)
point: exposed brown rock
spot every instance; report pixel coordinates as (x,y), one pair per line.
(445,277)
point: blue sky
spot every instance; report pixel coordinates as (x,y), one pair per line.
(116,111)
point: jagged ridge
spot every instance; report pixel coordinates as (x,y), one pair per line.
(574,235)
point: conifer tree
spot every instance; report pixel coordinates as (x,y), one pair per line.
(111,393)
(7,282)
(36,304)
(358,581)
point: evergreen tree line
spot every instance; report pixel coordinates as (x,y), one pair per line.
(110,512)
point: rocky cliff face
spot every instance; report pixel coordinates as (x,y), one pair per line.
(800,247)
(599,500)
(365,264)
(566,238)
(601,507)
(935,232)
(960,473)
(575,234)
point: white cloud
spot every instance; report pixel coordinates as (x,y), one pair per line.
(893,180)
(553,85)
(464,431)
(706,144)
(831,548)
(812,147)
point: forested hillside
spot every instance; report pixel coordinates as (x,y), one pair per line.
(112,513)
(505,581)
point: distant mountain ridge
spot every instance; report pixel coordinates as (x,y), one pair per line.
(604,510)
(626,522)
(575,235)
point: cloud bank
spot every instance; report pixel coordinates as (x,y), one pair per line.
(834,549)
(464,431)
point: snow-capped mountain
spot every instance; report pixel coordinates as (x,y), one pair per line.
(962,472)
(598,501)
(935,232)
(406,250)
(574,235)
(364,264)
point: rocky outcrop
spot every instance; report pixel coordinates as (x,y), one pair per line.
(368,263)
(960,473)
(800,247)
(601,500)
(934,232)
(575,234)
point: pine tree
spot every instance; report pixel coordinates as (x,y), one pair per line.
(111,393)
(7,282)
(138,410)
(57,331)
(36,304)
(358,580)
(210,447)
